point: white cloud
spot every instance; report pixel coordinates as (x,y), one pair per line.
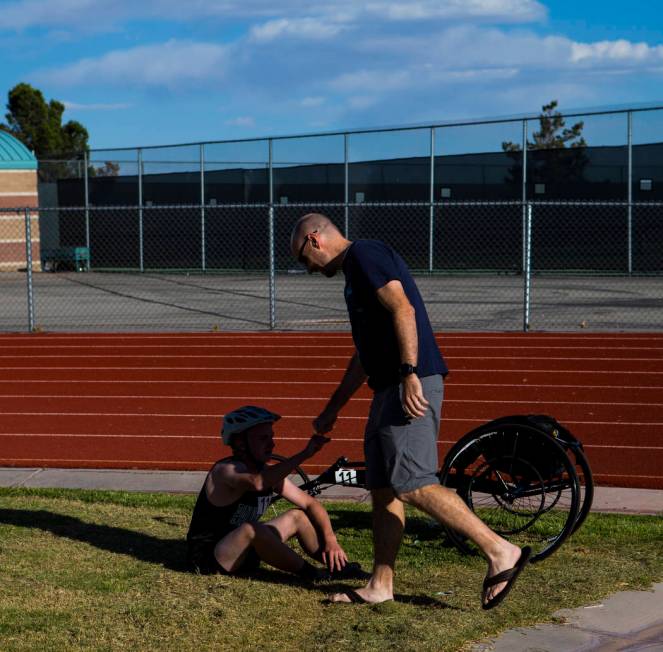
(362,101)
(615,51)
(301,28)
(506,11)
(44,13)
(311,102)
(339,61)
(242,121)
(479,74)
(92,15)
(168,65)
(371,80)
(74,106)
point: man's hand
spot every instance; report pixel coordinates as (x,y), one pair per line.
(325,422)
(315,444)
(333,556)
(412,397)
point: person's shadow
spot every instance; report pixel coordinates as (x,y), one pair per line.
(170,553)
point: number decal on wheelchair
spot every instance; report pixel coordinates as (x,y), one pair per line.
(346,476)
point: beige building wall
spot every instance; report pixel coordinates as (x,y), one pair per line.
(18,189)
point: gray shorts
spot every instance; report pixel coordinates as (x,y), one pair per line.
(401,453)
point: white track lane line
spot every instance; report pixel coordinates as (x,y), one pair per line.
(312,369)
(308,398)
(316,335)
(344,347)
(448,384)
(217,415)
(231,356)
(138,437)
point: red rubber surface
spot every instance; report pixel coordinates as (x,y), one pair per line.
(155,401)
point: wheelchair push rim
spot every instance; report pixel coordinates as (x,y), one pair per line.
(519,481)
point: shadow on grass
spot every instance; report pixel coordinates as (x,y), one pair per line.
(421,527)
(170,553)
(350,520)
(273,576)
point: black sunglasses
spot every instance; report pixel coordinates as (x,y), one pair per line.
(300,258)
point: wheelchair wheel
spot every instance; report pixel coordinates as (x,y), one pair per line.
(519,481)
(586,481)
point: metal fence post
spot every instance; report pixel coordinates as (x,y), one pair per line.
(524,186)
(431,198)
(87,207)
(527,272)
(140,209)
(272,261)
(203,263)
(28,258)
(346,185)
(629,193)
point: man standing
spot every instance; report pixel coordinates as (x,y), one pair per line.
(396,351)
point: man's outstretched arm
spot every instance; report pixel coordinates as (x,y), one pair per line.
(352,380)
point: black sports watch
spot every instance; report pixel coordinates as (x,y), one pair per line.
(406,370)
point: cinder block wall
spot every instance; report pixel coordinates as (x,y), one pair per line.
(18,188)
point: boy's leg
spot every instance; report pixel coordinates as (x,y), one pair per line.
(295,523)
(232,550)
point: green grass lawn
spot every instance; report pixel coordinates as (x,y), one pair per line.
(104,571)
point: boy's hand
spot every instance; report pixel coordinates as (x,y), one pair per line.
(333,556)
(325,422)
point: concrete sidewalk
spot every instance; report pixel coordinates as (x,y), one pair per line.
(627,621)
(606,499)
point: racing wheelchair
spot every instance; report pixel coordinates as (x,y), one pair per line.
(526,476)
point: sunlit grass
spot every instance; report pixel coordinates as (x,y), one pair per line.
(85,570)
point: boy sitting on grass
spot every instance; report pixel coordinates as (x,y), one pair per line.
(225,535)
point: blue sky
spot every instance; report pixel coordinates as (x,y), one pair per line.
(148,72)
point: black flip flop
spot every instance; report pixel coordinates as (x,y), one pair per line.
(354,597)
(509,576)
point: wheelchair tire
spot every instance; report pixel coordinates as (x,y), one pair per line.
(519,480)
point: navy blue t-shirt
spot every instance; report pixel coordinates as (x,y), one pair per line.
(368,266)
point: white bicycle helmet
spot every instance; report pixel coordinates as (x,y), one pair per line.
(244,418)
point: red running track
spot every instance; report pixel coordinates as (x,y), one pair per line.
(155,401)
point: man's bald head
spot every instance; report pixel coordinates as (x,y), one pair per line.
(313,222)
(317,243)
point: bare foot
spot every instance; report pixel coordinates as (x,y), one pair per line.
(367,595)
(505,559)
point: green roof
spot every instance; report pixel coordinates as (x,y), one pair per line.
(14,155)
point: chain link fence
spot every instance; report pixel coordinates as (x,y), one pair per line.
(480,265)
(14,301)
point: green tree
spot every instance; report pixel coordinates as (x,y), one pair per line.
(558,153)
(38,125)
(552,133)
(108,169)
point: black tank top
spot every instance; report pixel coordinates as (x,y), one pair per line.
(210,523)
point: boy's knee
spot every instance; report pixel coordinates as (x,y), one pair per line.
(298,515)
(248,530)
